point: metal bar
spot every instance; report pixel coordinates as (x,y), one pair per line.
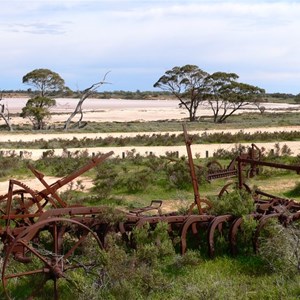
(192,169)
(269,164)
(59,183)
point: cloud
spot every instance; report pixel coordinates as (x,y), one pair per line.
(37,28)
(145,38)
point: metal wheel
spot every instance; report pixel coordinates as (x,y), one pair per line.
(217,226)
(49,259)
(231,186)
(214,166)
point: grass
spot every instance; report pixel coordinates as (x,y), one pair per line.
(228,278)
(245,277)
(189,277)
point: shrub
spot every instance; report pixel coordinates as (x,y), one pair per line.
(179,175)
(153,245)
(279,247)
(11,164)
(237,203)
(106,179)
(137,181)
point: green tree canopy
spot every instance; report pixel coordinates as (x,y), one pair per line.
(44,80)
(37,110)
(186,84)
(225,95)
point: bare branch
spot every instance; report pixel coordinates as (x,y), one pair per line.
(84,95)
(4,114)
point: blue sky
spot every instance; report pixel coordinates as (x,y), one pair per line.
(137,41)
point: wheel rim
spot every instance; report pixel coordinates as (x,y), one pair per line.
(65,251)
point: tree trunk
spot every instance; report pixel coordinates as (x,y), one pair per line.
(5,117)
(78,110)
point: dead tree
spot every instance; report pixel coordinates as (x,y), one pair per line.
(83,96)
(4,113)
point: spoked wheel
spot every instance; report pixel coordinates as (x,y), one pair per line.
(57,256)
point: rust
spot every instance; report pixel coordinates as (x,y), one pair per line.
(27,214)
(216,171)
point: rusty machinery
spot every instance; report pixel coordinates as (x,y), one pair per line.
(47,237)
(216,171)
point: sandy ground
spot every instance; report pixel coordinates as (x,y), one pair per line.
(109,110)
(35,184)
(124,111)
(203,150)
(129,110)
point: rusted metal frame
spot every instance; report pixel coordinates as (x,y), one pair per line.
(190,221)
(269,164)
(294,217)
(18,216)
(157,219)
(253,148)
(65,180)
(233,234)
(52,266)
(240,174)
(222,174)
(49,189)
(150,207)
(253,162)
(38,196)
(270,196)
(235,227)
(8,207)
(215,223)
(225,187)
(71,212)
(290,205)
(192,170)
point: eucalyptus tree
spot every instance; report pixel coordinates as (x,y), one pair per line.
(187,84)
(37,108)
(45,80)
(225,95)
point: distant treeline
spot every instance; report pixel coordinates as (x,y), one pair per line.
(127,94)
(101,95)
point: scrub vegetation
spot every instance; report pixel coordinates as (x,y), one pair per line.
(154,269)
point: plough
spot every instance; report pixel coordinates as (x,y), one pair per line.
(54,242)
(216,171)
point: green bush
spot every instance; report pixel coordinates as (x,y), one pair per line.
(153,245)
(179,175)
(136,181)
(105,180)
(11,164)
(279,247)
(237,203)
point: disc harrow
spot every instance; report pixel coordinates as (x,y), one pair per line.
(52,240)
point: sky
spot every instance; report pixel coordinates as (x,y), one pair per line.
(136,42)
